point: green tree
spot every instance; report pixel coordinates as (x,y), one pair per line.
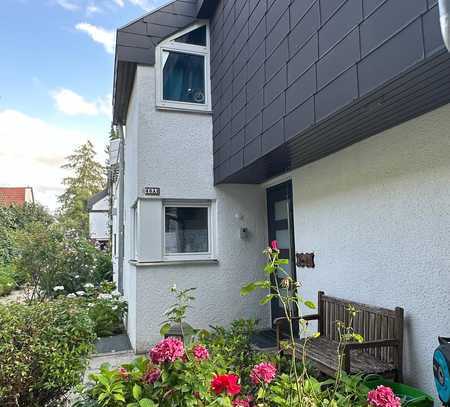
(15,218)
(87,178)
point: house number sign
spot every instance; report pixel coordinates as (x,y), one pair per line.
(305,260)
(152,191)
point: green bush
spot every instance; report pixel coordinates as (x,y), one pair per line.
(105,306)
(7,279)
(44,351)
(51,256)
(13,219)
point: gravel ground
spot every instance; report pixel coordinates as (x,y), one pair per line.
(15,296)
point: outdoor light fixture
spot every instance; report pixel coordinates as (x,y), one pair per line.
(444,13)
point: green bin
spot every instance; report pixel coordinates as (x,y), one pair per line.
(410,396)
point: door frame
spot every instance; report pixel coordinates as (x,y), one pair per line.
(283,190)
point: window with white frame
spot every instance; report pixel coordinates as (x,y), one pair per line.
(182,70)
(188,230)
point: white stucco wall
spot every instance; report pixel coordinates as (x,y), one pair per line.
(99,225)
(174,152)
(130,196)
(377,216)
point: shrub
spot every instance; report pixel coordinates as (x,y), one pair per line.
(105,306)
(7,279)
(53,257)
(14,218)
(44,350)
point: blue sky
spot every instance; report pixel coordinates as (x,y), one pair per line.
(56,72)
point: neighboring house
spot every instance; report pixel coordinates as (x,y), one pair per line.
(16,195)
(322,124)
(98,208)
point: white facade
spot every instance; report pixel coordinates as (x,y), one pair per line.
(377,217)
(99,220)
(173,151)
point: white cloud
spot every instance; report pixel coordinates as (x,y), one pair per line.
(99,34)
(32,152)
(92,9)
(146,5)
(73,104)
(68,5)
(120,3)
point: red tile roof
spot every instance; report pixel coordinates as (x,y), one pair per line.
(9,196)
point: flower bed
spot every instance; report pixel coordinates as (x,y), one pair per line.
(219,368)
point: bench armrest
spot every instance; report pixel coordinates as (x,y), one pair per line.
(277,322)
(311,317)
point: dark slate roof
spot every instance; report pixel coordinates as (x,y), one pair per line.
(136,42)
(96,198)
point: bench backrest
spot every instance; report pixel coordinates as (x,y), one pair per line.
(373,323)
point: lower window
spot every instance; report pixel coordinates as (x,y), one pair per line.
(187,229)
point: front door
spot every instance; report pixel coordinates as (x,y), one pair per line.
(281,228)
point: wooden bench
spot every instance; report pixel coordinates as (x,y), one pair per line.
(382,329)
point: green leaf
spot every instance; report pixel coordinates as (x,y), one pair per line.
(164,329)
(262,284)
(283,261)
(310,304)
(358,338)
(267,299)
(137,392)
(147,403)
(269,268)
(247,289)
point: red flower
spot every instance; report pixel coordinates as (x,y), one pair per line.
(227,383)
(274,245)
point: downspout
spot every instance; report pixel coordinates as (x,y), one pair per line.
(444,14)
(121,206)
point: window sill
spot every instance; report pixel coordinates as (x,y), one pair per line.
(186,109)
(173,262)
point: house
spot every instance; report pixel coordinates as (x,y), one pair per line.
(322,124)
(98,207)
(16,195)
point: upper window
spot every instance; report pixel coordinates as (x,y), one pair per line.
(183,70)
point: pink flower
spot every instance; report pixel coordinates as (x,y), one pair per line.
(152,376)
(263,373)
(274,245)
(200,352)
(227,383)
(383,396)
(239,402)
(167,350)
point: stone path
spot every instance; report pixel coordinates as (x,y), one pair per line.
(114,359)
(14,296)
